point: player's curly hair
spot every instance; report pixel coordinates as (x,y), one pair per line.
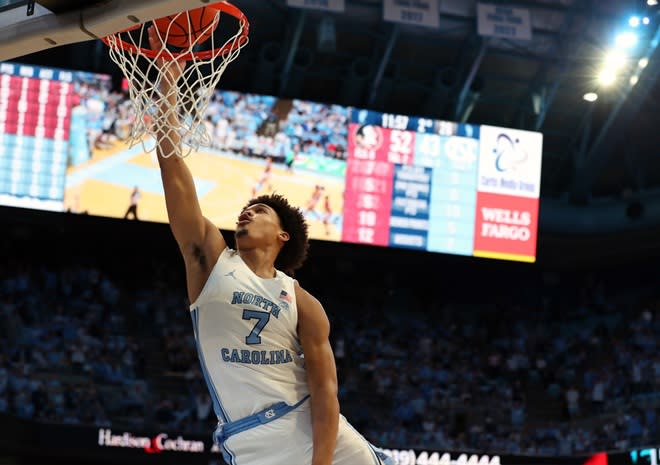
(294,252)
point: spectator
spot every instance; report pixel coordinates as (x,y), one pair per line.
(572,398)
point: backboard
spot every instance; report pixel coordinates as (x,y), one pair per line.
(28,26)
(15,11)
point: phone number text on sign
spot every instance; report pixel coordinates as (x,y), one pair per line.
(410,457)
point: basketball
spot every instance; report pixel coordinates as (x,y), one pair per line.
(190,27)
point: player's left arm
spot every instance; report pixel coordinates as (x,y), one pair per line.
(314,333)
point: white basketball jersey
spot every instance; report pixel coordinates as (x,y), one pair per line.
(246,334)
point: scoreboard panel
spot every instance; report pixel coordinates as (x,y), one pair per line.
(367,201)
(35,108)
(441,186)
(409,218)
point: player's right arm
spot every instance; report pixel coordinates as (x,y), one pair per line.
(198,238)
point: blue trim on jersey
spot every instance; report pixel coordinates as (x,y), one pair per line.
(377,460)
(384,458)
(266,415)
(215,397)
(228,455)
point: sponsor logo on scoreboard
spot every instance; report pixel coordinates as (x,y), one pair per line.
(506,226)
(510,161)
(369,137)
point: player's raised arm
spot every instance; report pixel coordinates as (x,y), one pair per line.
(199,240)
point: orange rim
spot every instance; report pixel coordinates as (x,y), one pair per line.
(223,6)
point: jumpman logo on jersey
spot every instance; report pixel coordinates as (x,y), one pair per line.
(231,273)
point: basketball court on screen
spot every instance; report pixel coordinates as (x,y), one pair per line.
(103,185)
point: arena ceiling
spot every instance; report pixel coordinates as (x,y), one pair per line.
(605,149)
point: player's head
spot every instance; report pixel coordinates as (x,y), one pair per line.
(276,220)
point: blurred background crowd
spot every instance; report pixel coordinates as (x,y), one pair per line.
(251,125)
(511,362)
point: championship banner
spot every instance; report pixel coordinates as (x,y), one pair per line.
(337,6)
(504,21)
(415,12)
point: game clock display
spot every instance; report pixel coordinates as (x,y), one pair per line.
(441,186)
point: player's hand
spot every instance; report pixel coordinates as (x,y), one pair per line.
(170,68)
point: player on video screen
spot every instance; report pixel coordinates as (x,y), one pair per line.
(312,202)
(265,179)
(133,204)
(327,214)
(290,157)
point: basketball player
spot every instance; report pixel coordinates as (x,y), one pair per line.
(262,339)
(313,201)
(327,214)
(266,178)
(133,204)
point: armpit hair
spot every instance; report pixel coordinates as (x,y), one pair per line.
(199,256)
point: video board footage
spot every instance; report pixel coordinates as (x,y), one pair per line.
(359,176)
(260,145)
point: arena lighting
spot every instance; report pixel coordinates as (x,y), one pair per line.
(646,21)
(607,77)
(634,79)
(615,59)
(651,2)
(614,62)
(626,40)
(590,96)
(643,62)
(634,21)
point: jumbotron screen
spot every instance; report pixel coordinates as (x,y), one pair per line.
(358,176)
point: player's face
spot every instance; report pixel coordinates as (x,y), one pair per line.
(258,225)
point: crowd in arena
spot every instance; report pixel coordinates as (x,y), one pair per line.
(437,372)
(264,126)
(250,125)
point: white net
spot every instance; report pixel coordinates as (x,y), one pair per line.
(170,87)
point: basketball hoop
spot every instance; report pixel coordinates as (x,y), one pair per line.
(197,52)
